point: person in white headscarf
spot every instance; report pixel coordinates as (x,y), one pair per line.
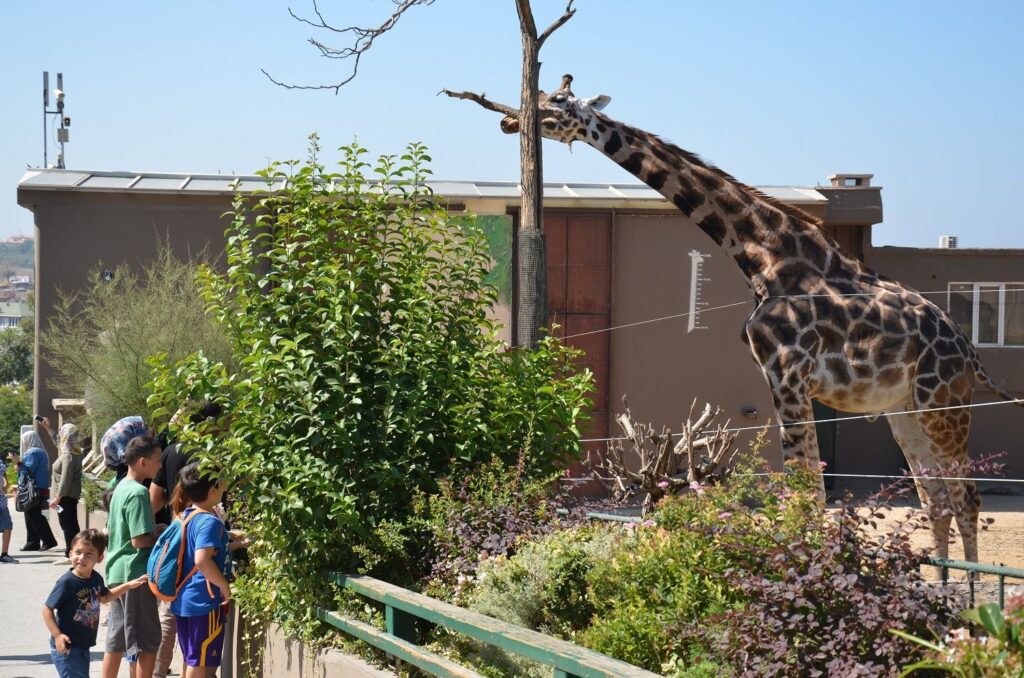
(35,464)
(66,485)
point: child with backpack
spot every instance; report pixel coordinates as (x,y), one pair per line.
(72,611)
(187,568)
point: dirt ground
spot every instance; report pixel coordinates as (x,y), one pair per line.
(1001,544)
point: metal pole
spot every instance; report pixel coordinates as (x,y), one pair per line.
(46,103)
(61,162)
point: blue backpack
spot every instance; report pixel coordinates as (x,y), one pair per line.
(168,558)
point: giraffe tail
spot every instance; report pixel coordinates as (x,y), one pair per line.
(982,376)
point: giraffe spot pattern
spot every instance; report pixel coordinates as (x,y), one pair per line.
(713,225)
(614,143)
(657,179)
(688,199)
(634,163)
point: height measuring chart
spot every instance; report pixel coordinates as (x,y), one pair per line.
(697,280)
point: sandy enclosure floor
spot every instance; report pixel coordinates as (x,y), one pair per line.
(1001,544)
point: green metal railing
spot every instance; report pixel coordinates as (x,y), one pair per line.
(406,613)
(1001,572)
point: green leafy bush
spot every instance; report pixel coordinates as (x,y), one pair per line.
(484,516)
(368,371)
(751,577)
(996,652)
(15,411)
(99,339)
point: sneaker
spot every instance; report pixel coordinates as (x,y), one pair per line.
(30,547)
(47,547)
(62,561)
(6,558)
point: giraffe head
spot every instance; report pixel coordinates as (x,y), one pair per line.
(563,117)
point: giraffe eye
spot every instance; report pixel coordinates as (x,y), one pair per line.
(558,98)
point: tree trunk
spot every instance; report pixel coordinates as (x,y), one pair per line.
(532,270)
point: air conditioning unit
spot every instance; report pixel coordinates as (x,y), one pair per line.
(947,242)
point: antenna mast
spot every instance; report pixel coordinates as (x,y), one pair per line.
(65,122)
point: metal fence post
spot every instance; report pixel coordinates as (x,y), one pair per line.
(400,624)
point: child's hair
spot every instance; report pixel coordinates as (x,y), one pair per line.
(138,448)
(207,410)
(193,485)
(93,538)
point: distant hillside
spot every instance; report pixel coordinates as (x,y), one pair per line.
(17,258)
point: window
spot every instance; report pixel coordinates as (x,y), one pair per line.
(991,314)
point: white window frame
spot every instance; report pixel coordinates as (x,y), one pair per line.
(976,288)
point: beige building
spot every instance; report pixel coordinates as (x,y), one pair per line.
(619,256)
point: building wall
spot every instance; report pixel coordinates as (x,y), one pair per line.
(661,367)
(78,232)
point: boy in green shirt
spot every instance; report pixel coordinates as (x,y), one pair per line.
(133,625)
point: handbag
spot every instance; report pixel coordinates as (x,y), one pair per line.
(28,497)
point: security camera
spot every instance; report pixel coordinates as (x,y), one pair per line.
(59,93)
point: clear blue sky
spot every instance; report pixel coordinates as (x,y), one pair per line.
(928,96)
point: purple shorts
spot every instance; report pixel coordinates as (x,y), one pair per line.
(201,638)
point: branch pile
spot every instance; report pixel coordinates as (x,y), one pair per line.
(654,467)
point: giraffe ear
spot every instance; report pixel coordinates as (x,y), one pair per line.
(597,103)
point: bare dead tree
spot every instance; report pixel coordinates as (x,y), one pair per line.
(654,467)
(362,41)
(531,271)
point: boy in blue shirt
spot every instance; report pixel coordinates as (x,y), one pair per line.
(72,611)
(200,607)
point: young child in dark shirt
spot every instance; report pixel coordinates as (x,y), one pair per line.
(72,611)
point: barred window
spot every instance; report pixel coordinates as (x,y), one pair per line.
(991,314)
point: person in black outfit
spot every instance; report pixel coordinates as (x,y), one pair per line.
(173,459)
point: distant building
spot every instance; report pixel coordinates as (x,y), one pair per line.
(20,282)
(12,312)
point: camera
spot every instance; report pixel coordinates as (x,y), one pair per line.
(39,418)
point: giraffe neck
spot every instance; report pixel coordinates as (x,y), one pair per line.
(780,249)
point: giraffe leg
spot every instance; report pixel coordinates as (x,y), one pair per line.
(799,441)
(947,432)
(917,449)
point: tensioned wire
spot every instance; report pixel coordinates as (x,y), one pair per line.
(825,421)
(750,302)
(798,423)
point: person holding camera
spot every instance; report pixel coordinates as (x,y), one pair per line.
(34,466)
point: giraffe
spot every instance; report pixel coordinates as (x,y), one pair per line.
(824,326)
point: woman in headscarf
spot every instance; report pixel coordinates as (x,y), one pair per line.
(66,485)
(36,465)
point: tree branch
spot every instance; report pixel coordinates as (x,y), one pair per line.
(569,12)
(483,101)
(363,41)
(526,22)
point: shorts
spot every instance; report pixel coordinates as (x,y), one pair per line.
(5,515)
(201,638)
(133,625)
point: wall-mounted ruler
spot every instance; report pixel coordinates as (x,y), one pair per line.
(697,280)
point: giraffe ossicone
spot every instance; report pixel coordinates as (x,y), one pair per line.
(824,326)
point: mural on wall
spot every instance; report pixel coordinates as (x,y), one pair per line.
(497,228)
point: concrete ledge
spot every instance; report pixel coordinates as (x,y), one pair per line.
(283,658)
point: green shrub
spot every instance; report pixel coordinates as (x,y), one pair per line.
(997,651)
(486,515)
(368,371)
(15,411)
(98,339)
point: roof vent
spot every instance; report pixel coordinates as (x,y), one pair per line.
(850,180)
(947,242)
